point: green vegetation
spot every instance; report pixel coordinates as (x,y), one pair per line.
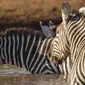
(6,66)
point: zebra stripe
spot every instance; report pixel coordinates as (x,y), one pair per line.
(59,49)
(77,42)
(30,49)
(74,32)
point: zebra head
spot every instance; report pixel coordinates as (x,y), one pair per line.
(74,27)
(58,51)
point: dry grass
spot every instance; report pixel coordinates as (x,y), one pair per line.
(29,9)
(15,11)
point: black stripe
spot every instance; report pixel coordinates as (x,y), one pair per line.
(7,44)
(24,47)
(18,51)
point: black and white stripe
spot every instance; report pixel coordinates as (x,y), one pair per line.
(75,26)
(29,48)
(59,48)
(73,43)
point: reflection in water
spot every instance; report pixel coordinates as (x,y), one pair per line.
(20,76)
(31,80)
(13,72)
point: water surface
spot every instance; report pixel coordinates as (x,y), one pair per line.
(11,75)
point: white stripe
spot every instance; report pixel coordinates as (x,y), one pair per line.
(40,53)
(54,67)
(65,68)
(47,44)
(28,38)
(35,52)
(60,68)
(21,52)
(47,65)
(5,52)
(30,50)
(40,62)
(68,60)
(42,68)
(47,71)
(2,55)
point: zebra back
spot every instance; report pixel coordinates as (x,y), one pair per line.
(29,48)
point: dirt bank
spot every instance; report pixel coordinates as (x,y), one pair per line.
(20,13)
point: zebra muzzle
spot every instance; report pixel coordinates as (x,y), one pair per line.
(55,60)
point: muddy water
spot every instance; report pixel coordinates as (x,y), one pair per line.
(19,76)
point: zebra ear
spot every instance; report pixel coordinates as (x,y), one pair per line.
(47,31)
(66,10)
(82,10)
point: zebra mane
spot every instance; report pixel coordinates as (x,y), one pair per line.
(22,30)
(76,12)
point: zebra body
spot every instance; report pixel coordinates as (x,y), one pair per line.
(75,26)
(29,48)
(74,34)
(22,47)
(73,43)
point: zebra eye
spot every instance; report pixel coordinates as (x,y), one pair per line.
(55,58)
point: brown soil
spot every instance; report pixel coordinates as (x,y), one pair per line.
(28,13)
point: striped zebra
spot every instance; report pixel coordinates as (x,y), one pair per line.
(73,43)
(75,26)
(29,48)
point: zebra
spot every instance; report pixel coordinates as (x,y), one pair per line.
(29,48)
(72,43)
(75,26)
(59,49)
